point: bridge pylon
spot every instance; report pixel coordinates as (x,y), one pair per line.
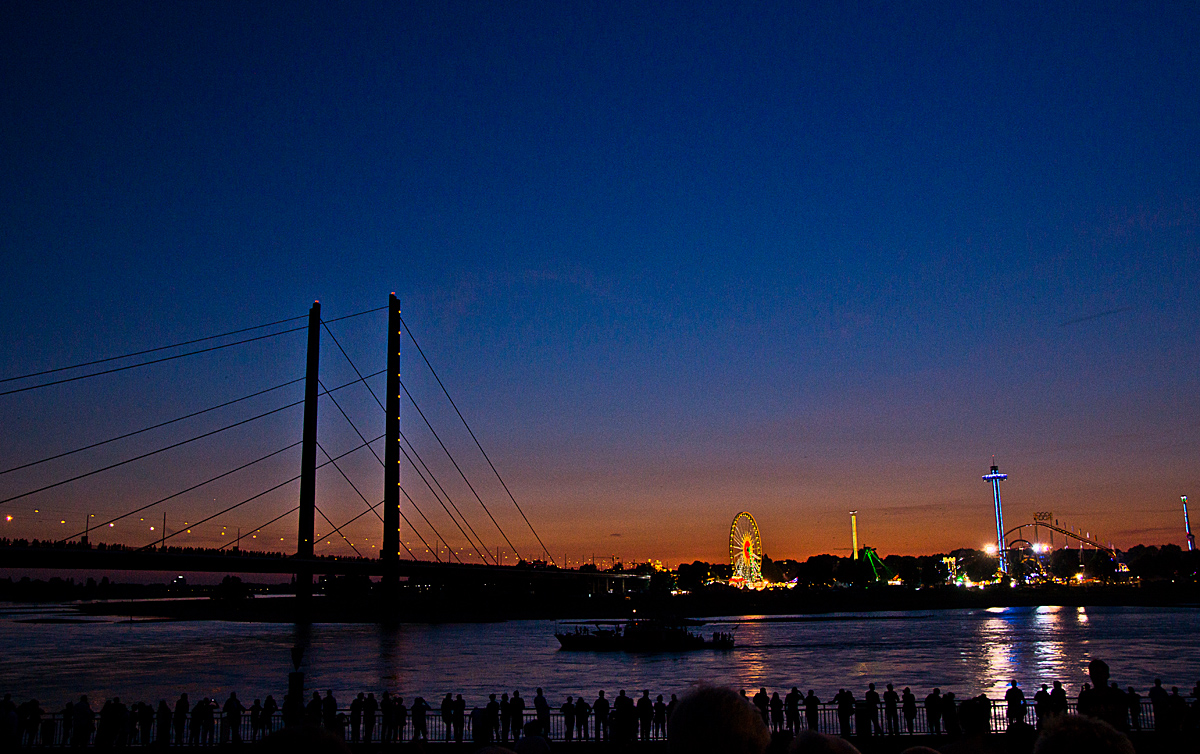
(308,457)
(390,552)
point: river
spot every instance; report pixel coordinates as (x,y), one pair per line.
(965,651)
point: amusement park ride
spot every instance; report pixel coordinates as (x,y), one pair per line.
(745,552)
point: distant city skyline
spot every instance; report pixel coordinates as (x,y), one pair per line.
(672,262)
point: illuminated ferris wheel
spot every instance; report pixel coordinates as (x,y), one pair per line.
(745,551)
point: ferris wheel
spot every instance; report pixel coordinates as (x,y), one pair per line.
(745,551)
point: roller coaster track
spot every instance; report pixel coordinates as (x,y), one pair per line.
(1065,533)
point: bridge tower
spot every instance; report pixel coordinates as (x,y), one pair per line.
(995,477)
(390,553)
(308,457)
(1187,527)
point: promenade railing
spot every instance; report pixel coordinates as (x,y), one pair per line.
(134,730)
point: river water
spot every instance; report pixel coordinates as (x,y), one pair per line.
(966,651)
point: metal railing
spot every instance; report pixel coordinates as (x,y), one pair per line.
(142,730)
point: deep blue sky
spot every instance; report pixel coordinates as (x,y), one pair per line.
(674,261)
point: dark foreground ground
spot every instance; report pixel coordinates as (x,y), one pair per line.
(1144,743)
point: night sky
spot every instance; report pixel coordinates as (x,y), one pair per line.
(673,261)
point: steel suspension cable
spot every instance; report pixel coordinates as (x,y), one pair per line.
(353,426)
(363,380)
(459,469)
(147,455)
(448,513)
(147,429)
(473,437)
(168,358)
(370,508)
(429,523)
(222,475)
(353,366)
(150,350)
(443,489)
(336,529)
(255,497)
(151,361)
(177,345)
(161,450)
(259,528)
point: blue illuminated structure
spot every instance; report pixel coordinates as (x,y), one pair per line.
(995,477)
(1187,527)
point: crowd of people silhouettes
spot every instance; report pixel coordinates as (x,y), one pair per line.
(507,719)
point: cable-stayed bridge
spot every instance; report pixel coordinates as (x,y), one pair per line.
(473,533)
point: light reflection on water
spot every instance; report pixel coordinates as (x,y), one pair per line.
(965,651)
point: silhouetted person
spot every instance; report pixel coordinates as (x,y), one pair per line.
(891,709)
(517,708)
(1041,705)
(145,723)
(541,709)
(791,710)
(1015,699)
(492,718)
(231,724)
(763,703)
(1135,708)
(420,716)
(950,715)
(713,720)
(370,708)
(68,722)
(1158,703)
(845,710)
(567,710)
(356,709)
(400,718)
(83,722)
(203,712)
(624,718)
(812,710)
(776,712)
(582,711)
(862,718)
(603,732)
(908,704)
(313,711)
(478,725)
(460,716)
(329,710)
(505,717)
(933,712)
(268,715)
(1104,701)
(1058,699)
(660,718)
(180,718)
(387,718)
(645,714)
(447,711)
(162,733)
(292,711)
(872,700)
(1177,710)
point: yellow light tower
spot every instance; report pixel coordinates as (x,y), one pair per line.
(854,532)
